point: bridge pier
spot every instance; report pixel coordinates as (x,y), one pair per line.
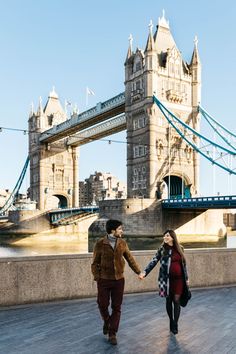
(36,225)
(145,221)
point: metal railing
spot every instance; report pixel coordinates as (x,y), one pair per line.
(59,214)
(216,202)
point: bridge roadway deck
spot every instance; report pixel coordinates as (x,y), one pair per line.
(207,325)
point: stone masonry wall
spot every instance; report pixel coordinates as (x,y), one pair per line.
(52,278)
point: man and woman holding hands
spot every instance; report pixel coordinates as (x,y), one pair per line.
(109,256)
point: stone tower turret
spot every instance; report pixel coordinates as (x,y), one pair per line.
(159,162)
(53,167)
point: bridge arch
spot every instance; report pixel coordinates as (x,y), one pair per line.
(180,186)
(56,201)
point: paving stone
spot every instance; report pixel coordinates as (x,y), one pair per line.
(207,326)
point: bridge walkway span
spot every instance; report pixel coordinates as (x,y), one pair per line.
(204,203)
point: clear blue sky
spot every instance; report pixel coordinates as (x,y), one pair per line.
(72,44)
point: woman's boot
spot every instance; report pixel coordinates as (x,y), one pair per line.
(171,325)
(175,327)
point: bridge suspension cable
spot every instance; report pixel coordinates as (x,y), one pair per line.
(213,152)
(227,136)
(8,204)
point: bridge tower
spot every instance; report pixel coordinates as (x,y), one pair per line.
(159,162)
(53,167)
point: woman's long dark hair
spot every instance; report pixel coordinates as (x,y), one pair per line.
(176,243)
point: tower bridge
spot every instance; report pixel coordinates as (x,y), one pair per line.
(157,157)
(161,113)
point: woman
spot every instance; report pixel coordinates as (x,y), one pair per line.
(172,276)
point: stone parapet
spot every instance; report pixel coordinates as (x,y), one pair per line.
(51,278)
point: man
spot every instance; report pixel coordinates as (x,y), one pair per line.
(108,270)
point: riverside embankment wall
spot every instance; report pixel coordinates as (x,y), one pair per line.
(51,278)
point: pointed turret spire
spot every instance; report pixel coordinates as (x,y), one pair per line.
(53,93)
(40,108)
(31,109)
(150,27)
(195,57)
(130,49)
(162,22)
(150,41)
(54,108)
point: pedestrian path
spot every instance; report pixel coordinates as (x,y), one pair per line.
(207,325)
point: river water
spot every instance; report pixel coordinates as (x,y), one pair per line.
(33,247)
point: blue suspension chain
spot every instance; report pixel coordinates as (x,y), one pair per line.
(16,189)
(209,119)
(164,110)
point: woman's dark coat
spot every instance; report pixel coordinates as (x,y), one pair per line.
(164,256)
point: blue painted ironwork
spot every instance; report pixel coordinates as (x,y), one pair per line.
(59,216)
(8,204)
(217,127)
(218,202)
(190,135)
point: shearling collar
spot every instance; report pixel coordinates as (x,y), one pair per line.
(106,241)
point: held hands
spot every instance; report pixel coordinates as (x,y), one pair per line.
(142,275)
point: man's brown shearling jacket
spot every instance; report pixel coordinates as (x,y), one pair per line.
(109,263)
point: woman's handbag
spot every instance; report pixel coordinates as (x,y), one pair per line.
(186,296)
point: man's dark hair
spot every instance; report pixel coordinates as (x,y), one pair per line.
(112,225)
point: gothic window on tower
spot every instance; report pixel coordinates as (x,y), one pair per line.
(142,122)
(138,85)
(135,124)
(137,66)
(50,119)
(139,123)
(139,150)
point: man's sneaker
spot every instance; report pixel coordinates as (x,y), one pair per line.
(112,339)
(106,327)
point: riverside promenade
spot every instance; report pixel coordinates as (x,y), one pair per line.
(207,325)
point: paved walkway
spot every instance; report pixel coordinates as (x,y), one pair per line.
(207,325)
